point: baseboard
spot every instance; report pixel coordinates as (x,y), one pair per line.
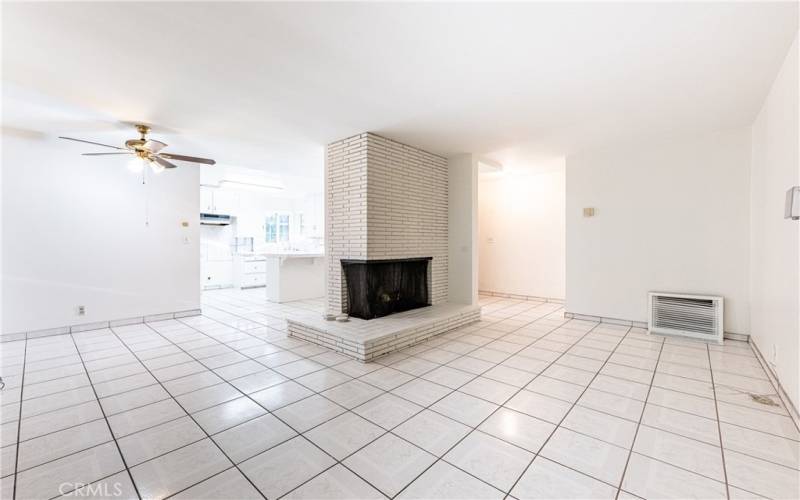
(97,325)
(773,378)
(604,319)
(743,337)
(517,296)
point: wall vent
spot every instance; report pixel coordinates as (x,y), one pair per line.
(694,316)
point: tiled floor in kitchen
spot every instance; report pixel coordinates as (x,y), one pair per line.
(524,403)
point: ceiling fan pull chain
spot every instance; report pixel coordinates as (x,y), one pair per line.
(146,198)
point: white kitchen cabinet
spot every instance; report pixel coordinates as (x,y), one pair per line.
(217,201)
(206,200)
(249,271)
(225,202)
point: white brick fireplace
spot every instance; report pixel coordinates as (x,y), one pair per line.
(389,201)
(384,200)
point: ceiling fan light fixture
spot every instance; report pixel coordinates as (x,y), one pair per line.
(148,150)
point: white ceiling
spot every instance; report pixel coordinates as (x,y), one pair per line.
(265,85)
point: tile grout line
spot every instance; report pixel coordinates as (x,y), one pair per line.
(332,366)
(655,371)
(208,436)
(385,430)
(140,430)
(108,425)
(415,355)
(719,426)
(475,428)
(75,453)
(390,431)
(639,424)
(566,414)
(297,434)
(772,378)
(239,361)
(19,420)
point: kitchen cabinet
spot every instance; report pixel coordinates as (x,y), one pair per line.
(225,202)
(249,271)
(206,200)
(217,201)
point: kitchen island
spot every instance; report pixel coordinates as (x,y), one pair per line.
(294,276)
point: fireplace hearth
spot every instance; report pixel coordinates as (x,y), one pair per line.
(377,288)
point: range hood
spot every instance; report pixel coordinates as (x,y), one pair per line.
(215,219)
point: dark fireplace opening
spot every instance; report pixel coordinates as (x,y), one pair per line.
(378,288)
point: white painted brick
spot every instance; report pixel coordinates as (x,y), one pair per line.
(384,200)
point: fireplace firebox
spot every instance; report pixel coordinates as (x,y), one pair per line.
(378,288)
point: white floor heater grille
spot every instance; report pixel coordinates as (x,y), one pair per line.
(694,316)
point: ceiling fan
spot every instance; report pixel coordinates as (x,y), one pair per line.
(148,150)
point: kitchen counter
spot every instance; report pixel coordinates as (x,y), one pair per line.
(294,276)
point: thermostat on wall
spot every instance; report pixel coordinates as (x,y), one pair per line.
(588,212)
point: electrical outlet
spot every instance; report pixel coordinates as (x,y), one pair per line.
(81,310)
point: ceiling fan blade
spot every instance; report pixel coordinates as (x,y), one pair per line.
(154,146)
(90,142)
(164,163)
(193,159)
(103,154)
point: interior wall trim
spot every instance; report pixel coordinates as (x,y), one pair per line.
(97,325)
(516,296)
(773,378)
(604,319)
(742,337)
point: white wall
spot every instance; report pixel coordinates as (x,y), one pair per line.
(671,215)
(462,229)
(775,242)
(522,232)
(74,234)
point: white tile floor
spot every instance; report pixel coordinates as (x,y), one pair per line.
(524,404)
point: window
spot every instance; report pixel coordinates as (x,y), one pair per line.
(277,228)
(272,228)
(283,228)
